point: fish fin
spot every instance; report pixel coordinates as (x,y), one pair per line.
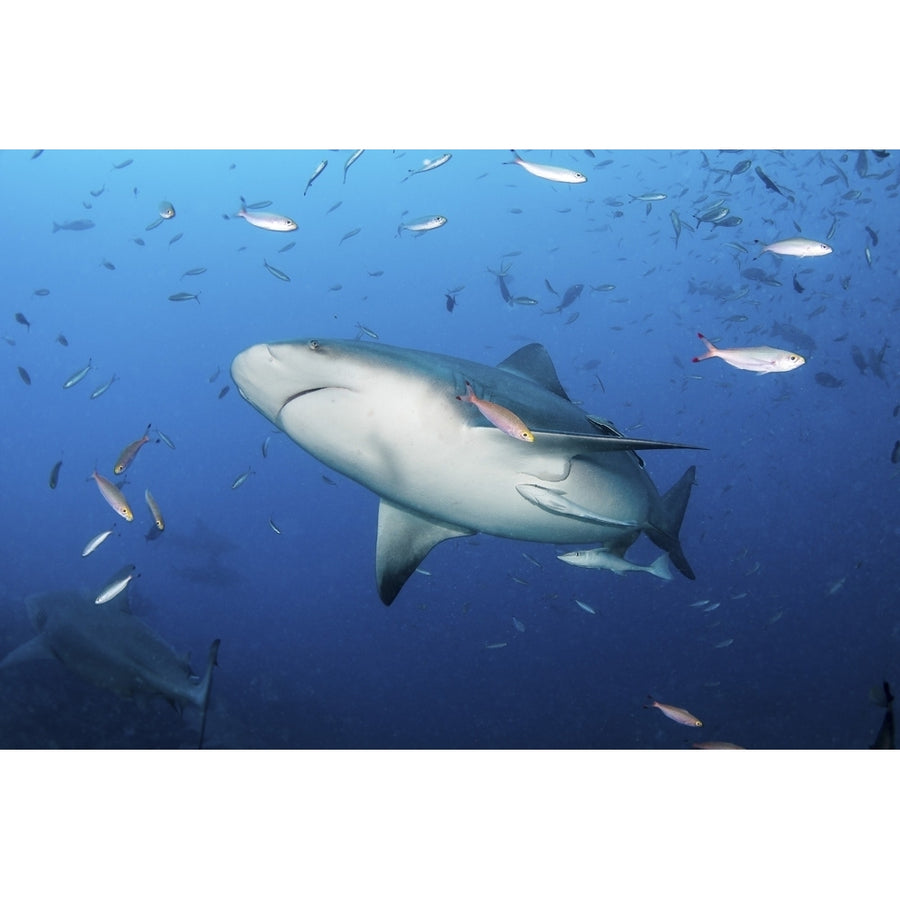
(36,648)
(665,522)
(533,362)
(211,662)
(404,539)
(592,443)
(660,567)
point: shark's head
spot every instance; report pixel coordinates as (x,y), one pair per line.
(271,377)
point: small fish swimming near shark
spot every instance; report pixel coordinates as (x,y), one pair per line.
(601,558)
(547,172)
(761,360)
(110,647)
(507,421)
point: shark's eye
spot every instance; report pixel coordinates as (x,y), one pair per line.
(313,345)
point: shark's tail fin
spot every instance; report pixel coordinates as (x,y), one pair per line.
(205,685)
(666,522)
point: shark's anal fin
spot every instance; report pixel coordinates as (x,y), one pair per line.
(404,539)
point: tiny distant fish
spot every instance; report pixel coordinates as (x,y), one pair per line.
(648,198)
(76,225)
(519,625)
(334,206)
(717,745)
(770,185)
(507,421)
(549,173)
(496,646)
(276,272)
(550,287)
(165,439)
(797,286)
(181,296)
(586,608)
(108,265)
(103,388)
(53,481)
(23,374)
(177,237)
(352,233)
(675,713)
(761,360)
(73,379)
(797,246)
(224,391)
(350,160)
(214,375)
(113,496)
(116,585)
(40,292)
(872,235)
(123,165)
(95,542)
(377,273)
(155,510)
(20,318)
(166,210)
(126,457)
(139,241)
(336,287)
(603,288)
(367,331)
(451,302)
(241,479)
(895,453)
(320,168)
(265,445)
(198,271)
(826,379)
(422,224)
(428,165)
(260,204)
(273,526)
(36,154)
(266,221)
(288,246)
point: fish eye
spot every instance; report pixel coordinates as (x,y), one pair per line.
(314,345)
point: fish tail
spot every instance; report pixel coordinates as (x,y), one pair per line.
(55,228)
(650,704)
(665,522)
(660,567)
(711,349)
(470,395)
(205,685)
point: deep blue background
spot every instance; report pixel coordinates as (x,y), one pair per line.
(792,527)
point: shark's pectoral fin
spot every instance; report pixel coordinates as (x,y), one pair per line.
(404,539)
(36,648)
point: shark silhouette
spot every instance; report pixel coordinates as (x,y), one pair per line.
(392,419)
(108,646)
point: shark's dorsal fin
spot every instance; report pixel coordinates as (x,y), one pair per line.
(533,362)
(404,539)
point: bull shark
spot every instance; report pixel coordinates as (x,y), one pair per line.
(392,420)
(112,648)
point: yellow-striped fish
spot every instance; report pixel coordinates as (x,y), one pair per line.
(126,457)
(154,510)
(113,496)
(508,422)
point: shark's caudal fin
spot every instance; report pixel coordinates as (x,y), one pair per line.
(404,540)
(666,521)
(205,685)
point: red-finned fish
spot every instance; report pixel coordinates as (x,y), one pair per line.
(761,360)
(154,510)
(126,457)
(508,422)
(675,713)
(113,496)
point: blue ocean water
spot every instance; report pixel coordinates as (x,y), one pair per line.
(791,528)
